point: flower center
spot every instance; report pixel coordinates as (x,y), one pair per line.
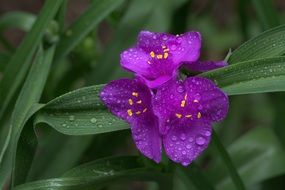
(183,104)
(133,102)
(163,55)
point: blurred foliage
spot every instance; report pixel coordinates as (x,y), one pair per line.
(71,141)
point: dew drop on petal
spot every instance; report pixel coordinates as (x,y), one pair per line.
(200,140)
(174,138)
(173,47)
(207,133)
(188,146)
(180,89)
(190,139)
(183,136)
(184,152)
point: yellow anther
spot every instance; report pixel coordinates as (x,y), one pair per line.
(166,50)
(131,102)
(159,56)
(144,110)
(178,115)
(196,101)
(152,54)
(139,102)
(165,55)
(130,113)
(188,116)
(135,94)
(185,97)
(138,112)
(149,62)
(183,102)
(199,115)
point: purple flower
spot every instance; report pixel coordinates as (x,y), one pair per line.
(179,115)
(186,110)
(157,56)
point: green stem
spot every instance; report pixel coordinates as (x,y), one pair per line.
(228,162)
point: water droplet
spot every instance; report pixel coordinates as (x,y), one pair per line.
(93,120)
(184,152)
(164,37)
(71,118)
(173,47)
(183,136)
(64,124)
(174,138)
(190,139)
(188,146)
(100,126)
(180,89)
(200,140)
(208,133)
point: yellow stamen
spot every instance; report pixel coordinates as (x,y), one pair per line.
(159,56)
(135,94)
(130,113)
(139,102)
(183,102)
(185,97)
(138,112)
(166,50)
(188,116)
(178,115)
(196,101)
(144,110)
(199,115)
(131,102)
(165,55)
(152,54)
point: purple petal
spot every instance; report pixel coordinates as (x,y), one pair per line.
(213,103)
(147,138)
(127,99)
(203,66)
(185,144)
(131,100)
(187,101)
(157,56)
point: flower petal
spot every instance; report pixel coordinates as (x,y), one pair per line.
(203,66)
(147,138)
(213,103)
(131,100)
(128,99)
(185,144)
(183,48)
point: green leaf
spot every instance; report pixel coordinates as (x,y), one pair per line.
(80,112)
(257,155)
(101,173)
(266,13)
(270,43)
(16,19)
(4,59)
(193,174)
(227,161)
(20,62)
(30,94)
(256,76)
(99,10)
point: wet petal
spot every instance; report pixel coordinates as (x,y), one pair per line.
(128,99)
(212,102)
(185,144)
(131,100)
(203,66)
(147,138)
